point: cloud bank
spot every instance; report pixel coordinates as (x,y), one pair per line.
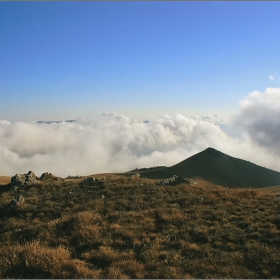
(260,118)
(113,142)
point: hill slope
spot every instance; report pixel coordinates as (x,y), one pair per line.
(130,228)
(219,168)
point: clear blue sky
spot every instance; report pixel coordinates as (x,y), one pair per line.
(62,60)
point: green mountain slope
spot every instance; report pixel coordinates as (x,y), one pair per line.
(219,168)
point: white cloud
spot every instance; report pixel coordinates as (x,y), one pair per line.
(272,77)
(260,117)
(113,142)
(4,122)
(213,118)
(108,143)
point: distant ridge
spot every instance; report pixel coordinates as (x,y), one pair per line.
(219,168)
(49,122)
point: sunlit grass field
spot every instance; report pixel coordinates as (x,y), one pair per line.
(5,180)
(132,228)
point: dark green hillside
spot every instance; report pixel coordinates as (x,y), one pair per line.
(219,168)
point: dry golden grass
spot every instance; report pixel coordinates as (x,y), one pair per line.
(131,228)
(271,190)
(5,180)
(35,260)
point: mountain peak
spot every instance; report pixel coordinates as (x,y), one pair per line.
(221,169)
(211,150)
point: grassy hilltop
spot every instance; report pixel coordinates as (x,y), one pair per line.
(131,228)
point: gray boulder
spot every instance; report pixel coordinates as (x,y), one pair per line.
(18,179)
(47,176)
(91,180)
(31,178)
(19,199)
(175,180)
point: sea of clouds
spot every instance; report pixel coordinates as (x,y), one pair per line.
(112,142)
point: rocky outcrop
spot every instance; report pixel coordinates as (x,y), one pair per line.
(24,179)
(47,176)
(175,180)
(18,179)
(30,178)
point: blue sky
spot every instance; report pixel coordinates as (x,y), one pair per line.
(63,60)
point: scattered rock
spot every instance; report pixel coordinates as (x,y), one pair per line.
(175,180)
(46,176)
(24,179)
(135,175)
(93,182)
(30,178)
(90,180)
(17,200)
(20,199)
